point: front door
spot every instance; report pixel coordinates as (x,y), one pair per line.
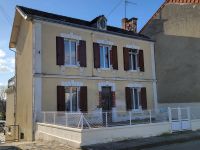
(107,105)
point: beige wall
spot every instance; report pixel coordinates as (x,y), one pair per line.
(78,137)
(49,98)
(50,31)
(176,31)
(85,75)
(24,79)
(10,106)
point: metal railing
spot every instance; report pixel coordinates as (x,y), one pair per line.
(102,119)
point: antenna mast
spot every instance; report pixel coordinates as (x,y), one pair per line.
(126,2)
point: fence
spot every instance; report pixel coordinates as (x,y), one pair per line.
(102,119)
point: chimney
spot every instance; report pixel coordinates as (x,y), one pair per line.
(129,24)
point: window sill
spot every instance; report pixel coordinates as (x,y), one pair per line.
(133,71)
(136,111)
(71,66)
(104,69)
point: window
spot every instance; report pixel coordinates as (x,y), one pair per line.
(135,99)
(133,65)
(70,52)
(104,56)
(72,99)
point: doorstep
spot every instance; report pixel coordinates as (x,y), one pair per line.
(150,142)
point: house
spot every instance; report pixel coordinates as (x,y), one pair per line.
(70,65)
(176,29)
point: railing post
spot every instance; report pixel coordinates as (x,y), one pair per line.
(66,119)
(44,117)
(130,118)
(150,116)
(106,119)
(170,114)
(54,118)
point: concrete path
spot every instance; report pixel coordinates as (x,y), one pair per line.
(37,145)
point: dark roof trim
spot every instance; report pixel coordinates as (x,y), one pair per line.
(80,24)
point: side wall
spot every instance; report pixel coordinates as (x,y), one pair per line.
(24,80)
(176,30)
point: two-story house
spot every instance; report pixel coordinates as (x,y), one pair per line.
(73,65)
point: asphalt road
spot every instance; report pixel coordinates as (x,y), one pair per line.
(192,145)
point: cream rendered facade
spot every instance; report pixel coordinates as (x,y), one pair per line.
(37,75)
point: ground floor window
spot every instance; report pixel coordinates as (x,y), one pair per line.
(135,97)
(72,99)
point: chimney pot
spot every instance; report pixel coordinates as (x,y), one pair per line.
(130,24)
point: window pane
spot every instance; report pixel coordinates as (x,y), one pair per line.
(67,99)
(74,99)
(130,62)
(73,53)
(134,62)
(67,52)
(101,57)
(136,99)
(106,57)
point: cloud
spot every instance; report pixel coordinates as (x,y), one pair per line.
(2,53)
(7,64)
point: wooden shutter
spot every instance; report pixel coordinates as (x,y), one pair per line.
(96,50)
(60,53)
(113,99)
(100,99)
(126,58)
(83,99)
(128,98)
(113,57)
(82,56)
(143,98)
(60,98)
(141,60)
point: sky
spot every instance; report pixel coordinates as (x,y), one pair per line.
(82,9)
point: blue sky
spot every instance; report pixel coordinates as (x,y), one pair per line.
(83,9)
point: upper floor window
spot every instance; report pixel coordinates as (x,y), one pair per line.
(133,62)
(104,56)
(133,59)
(70,52)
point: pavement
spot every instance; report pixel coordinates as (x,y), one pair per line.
(176,140)
(151,142)
(194,145)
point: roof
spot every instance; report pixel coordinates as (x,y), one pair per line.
(164,4)
(41,15)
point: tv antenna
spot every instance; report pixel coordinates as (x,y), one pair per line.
(126,2)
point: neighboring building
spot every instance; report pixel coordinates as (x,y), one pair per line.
(73,65)
(176,29)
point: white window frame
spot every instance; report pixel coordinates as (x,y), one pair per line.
(133,99)
(109,49)
(78,97)
(136,54)
(77,43)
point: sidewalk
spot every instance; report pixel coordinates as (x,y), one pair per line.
(137,144)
